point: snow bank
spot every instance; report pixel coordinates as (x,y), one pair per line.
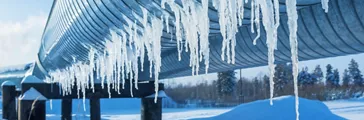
(283,109)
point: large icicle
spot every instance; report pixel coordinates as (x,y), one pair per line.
(292,25)
(270,20)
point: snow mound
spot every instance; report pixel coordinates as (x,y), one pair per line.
(161,94)
(32,94)
(283,109)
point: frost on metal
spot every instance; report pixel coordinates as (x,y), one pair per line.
(125,49)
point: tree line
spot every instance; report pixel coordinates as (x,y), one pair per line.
(229,90)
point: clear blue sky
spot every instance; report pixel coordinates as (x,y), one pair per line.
(22,23)
(21,26)
(19,10)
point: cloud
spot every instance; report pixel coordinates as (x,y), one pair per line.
(20,41)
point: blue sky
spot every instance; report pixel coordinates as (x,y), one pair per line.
(20,10)
(22,23)
(21,26)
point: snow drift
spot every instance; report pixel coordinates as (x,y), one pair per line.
(283,109)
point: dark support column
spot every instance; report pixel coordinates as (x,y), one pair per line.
(32,106)
(95,113)
(66,109)
(26,112)
(151,110)
(8,101)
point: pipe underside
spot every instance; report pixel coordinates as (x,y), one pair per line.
(74,25)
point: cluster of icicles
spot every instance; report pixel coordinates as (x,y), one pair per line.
(126,48)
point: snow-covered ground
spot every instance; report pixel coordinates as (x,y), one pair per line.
(115,109)
(351,109)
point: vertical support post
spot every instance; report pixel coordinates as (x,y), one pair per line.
(8,102)
(95,113)
(151,110)
(32,106)
(66,109)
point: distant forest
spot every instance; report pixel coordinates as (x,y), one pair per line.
(228,90)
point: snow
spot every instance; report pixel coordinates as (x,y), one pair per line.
(160,94)
(32,94)
(126,48)
(352,109)
(283,109)
(31,79)
(8,83)
(129,109)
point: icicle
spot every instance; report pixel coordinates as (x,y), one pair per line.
(166,19)
(252,9)
(193,21)
(256,21)
(135,69)
(156,42)
(325,5)
(119,60)
(292,25)
(92,67)
(229,13)
(51,104)
(270,20)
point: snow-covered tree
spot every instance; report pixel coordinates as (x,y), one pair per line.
(329,75)
(226,82)
(317,74)
(355,73)
(304,78)
(336,78)
(346,78)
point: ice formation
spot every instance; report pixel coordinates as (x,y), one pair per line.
(292,25)
(270,19)
(325,5)
(126,48)
(231,13)
(192,20)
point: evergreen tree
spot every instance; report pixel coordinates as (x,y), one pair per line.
(317,74)
(336,78)
(226,82)
(355,73)
(346,78)
(282,76)
(304,78)
(329,75)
